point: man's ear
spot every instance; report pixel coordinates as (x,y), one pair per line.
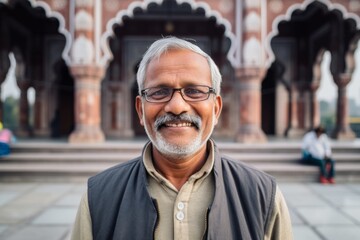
(139,109)
(218,107)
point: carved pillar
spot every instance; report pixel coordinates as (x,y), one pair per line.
(250,105)
(88,74)
(24,127)
(87,104)
(342,129)
(24,84)
(294,130)
(41,110)
(314,105)
(119,124)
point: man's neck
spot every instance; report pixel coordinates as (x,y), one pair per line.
(178,171)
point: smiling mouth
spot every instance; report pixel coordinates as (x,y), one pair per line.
(180,124)
(179,121)
(177,125)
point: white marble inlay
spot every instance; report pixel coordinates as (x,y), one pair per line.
(83,21)
(252,22)
(84,3)
(83,51)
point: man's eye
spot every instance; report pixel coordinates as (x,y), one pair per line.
(193,91)
(159,93)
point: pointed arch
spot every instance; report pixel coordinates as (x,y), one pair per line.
(129,13)
(62,30)
(302,6)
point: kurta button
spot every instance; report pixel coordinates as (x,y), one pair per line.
(181,205)
(180,216)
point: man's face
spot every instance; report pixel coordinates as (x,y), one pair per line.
(173,137)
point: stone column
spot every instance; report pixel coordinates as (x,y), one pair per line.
(314,108)
(24,127)
(119,124)
(87,104)
(24,84)
(41,111)
(294,130)
(342,129)
(250,105)
(88,73)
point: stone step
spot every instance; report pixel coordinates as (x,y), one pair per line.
(74,171)
(51,161)
(136,146)
(120,157)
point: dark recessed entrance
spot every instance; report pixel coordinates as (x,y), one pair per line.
(37,45)
(290,84)
(136,33)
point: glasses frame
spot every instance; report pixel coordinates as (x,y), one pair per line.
(181,90)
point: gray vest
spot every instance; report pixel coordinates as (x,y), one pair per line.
(121,207)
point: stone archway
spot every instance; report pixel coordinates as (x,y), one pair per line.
(298,43)
(133,33)
(40,44)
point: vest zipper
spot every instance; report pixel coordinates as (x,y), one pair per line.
(157,217)
(206,224)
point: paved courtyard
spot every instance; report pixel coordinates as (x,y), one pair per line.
(46,211)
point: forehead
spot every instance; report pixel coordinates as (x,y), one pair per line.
(179,65)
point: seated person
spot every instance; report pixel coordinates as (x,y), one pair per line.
(316,150)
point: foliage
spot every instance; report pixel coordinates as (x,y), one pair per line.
(11,113)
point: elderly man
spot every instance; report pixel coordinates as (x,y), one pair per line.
(181,187)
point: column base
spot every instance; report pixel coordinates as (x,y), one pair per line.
(250,134)
(23,132)
(295,133)
(343,134)
(120,133)
(87,135)
(42,132)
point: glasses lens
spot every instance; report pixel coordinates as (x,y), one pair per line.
(158,94)
(191,94)
(196,93)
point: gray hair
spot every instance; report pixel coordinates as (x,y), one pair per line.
(161,46)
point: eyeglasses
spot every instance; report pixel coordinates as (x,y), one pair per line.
(195,93)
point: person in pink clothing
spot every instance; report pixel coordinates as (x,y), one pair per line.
(6,137)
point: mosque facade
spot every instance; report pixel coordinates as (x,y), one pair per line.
(81,57)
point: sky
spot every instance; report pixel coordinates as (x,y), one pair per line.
(327,90)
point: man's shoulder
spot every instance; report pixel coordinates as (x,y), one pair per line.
(121,170)
(241,169)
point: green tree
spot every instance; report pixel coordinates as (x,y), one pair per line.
(11,113)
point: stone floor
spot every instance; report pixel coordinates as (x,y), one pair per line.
(46,211)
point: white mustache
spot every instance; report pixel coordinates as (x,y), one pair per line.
(194,119)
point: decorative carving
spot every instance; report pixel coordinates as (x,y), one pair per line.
(84,3)
(252,22)
(252,52)
(83,51)
(112,5)
(59,4)
(83,21)
(226,6)
(276,6)
(252,3)
(354,5)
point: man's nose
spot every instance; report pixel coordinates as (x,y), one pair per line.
(177,104)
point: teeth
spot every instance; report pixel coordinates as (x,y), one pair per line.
(178,124)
